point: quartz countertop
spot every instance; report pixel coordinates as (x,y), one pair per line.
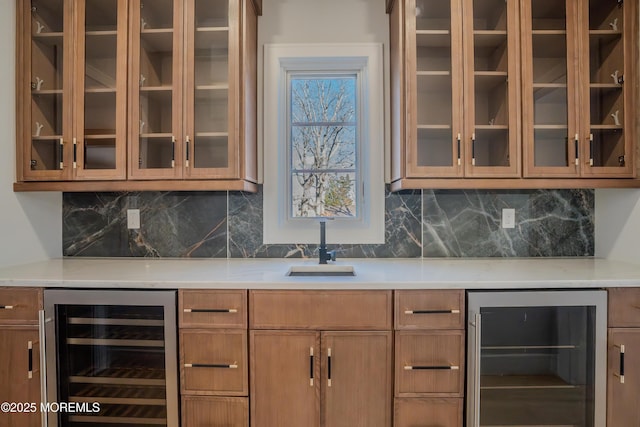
(161,273)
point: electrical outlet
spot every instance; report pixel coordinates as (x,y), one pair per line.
(508,218)
(133,219)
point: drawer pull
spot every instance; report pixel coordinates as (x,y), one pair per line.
(425,368)
(30,355)
(311,366)
(210,310)
(7,307)
(211,365)
(453,311)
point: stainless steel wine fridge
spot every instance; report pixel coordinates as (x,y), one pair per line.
(111,358)
(537,358)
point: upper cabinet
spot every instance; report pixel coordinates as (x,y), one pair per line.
(518,90)
(135,95)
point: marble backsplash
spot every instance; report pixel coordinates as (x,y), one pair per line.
(549,223)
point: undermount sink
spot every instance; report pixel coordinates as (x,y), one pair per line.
(322,271)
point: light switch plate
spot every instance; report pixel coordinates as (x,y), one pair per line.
(133,219)
(508,218)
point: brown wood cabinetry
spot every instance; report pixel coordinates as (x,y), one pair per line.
(523,91)
(623,376)
(429,357)
(213,358)
(123,96)
(304,375)
(20,355)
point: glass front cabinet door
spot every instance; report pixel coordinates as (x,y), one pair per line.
(72,121)
(579,68)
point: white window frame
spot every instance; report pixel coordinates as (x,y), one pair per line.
(366,61)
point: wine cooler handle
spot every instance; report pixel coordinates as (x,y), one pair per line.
(329,367)
(311,366)
(476,367)
(452,311)
(43,367)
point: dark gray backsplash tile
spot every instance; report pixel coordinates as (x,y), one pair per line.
(429,223)
(548,223)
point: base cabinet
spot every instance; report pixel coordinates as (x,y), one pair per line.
(623,371)
(411,412)
(201,411)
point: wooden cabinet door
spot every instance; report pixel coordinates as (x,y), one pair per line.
(285,379)
(20,375)
(431,412)
(198,411)
(356,379)
(622,397)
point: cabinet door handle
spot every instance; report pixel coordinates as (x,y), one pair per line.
(210,310)
(61,151)
(621,375)
(459,142)
(329,367)
(452,311)
(7,307)
(30,359)
(173,151)
(187,142)
(43,365)
(311,366)
(432,368)
(473,149)
(576,146)
(590,149)
(233,365)
(75,153)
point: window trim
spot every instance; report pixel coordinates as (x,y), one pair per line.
(364,59)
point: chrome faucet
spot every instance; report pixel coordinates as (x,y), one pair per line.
(323,253)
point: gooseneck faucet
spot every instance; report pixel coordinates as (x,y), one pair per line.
(322,250)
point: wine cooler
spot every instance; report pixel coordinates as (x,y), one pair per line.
(111,358)
(537,358)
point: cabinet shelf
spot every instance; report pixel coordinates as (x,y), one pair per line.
(157,40)
(550,127)
(212,38)
(435,127)
(101,33)
(515,382)
(497,128)
(155,135)
(46,138)
(49,39)
(606,127)
(488,80)
(120,395)
(489,38)
(48,92)
(549,32)
(433,38)
(212,134)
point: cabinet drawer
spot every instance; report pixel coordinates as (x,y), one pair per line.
(440,412)
(429,362)
(427,309)
(20,305)
(198,411)
(332,310)
(214,362)
(212,309)
(624,307)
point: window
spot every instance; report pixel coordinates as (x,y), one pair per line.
(323,143)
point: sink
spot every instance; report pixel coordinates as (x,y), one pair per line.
(322,271)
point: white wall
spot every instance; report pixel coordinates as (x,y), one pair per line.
(323,21)
(30,223)
(617,224)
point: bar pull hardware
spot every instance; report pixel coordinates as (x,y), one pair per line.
(210,310)
(476,368)
(173,151)
(329,367)
(61,150)
(452,311)
(7,307)
(473,149)
(75,153)
(311,366)
(187,142)
(576,145)
(459,141)
(234,365)
(30,353)
(590,149)
(621,375)
(434,368)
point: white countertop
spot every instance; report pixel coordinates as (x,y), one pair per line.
(152,273)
